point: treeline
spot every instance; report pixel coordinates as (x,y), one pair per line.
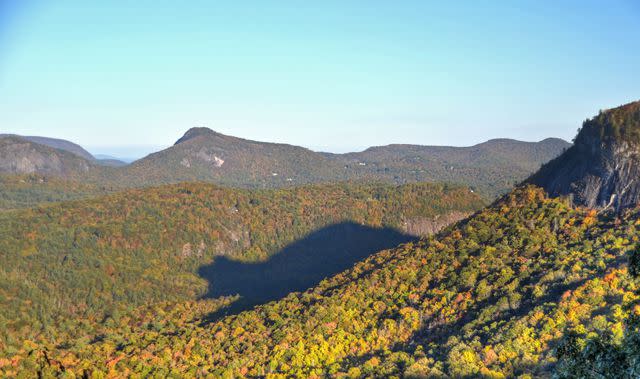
(621,124)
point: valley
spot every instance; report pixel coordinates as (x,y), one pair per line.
(328,280)
(91,258)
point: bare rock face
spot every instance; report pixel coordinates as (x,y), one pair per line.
(19,156)
(424,226)
(208,157)
(602,168)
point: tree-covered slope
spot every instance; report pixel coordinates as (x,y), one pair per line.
(490,296)
(609,353)
(491,168)
(204,155)
(86,259)
(25,191)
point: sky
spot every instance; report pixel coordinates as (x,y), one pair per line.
(128,77)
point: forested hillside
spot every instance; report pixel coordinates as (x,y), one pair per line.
(25,191)
(88,259)
(319,190)
(491,296)
(491,168)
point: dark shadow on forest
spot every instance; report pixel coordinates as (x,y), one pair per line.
(298,266)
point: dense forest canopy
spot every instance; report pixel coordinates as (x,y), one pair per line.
(618,124)
(491,296)
(26,191)
(490,168)
(90,258)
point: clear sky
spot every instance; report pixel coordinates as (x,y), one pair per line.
(331,75)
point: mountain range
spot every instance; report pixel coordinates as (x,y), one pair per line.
(201,154)
(543,282)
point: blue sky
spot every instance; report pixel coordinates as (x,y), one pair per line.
(120,76)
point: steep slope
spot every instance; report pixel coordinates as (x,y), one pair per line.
(612,354)
(88,259)
(20,156)
(202,154)
(56,143)
(602,168)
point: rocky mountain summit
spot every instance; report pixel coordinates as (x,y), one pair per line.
(602,168)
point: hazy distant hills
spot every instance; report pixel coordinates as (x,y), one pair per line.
(56,144)
(117,161)
(201,154)
(67,146)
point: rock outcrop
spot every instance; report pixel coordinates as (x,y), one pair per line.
(20,156)
(56,143)
(602,168)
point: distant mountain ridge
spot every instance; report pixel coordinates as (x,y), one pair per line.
(68,146)
(21,156)
(202,154)
(56,144)
(489,166)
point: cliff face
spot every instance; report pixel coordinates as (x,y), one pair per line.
(602,168)
(19,156)
(56,143)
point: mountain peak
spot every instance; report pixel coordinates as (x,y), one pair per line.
(602,168)
(621,124)
(196,132)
